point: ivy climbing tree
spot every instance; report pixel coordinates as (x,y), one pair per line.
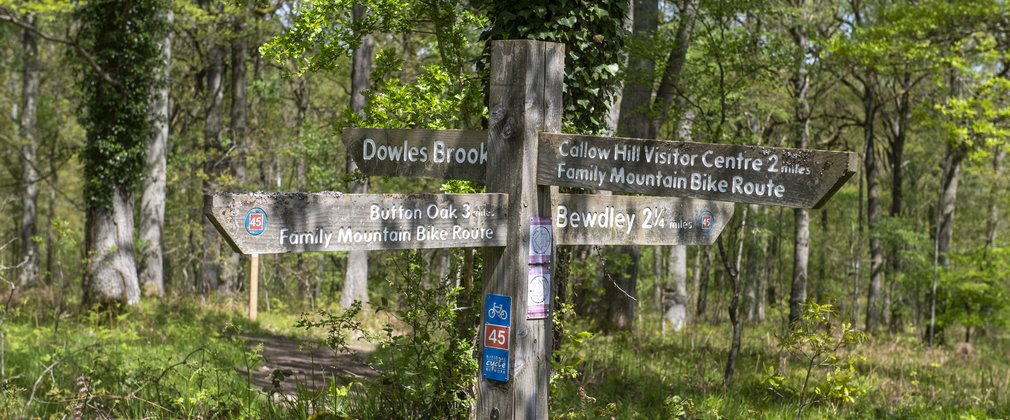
(122,37)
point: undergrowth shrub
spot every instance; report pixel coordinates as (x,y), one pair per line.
(426,363)
(818,342)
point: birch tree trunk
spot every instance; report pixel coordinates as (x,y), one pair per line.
(111,275)
(29,147)
(152,201)
(356,277)
(948,200)
(676,315)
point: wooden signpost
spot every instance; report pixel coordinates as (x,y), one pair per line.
(271,223)
(447,154)
(522,159)
(775,176)
(581,219)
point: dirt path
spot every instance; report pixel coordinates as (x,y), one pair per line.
(291,363)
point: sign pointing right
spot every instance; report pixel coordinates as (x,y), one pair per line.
(801,178)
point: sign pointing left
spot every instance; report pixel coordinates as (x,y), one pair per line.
(271,223)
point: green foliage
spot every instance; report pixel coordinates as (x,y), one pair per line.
(166,360)
(566,361)
(324,30)
(594,37)
(816,340)
(432,101)
(426,362)
(973,292)
(338,327)
(123,40)
(977,121)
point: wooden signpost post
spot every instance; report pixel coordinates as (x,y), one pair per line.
(522,159)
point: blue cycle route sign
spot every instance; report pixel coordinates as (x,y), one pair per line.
(497,321)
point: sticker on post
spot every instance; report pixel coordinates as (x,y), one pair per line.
(497,324)
(538,295)
(541,240)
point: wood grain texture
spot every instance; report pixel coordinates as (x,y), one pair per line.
(332,221)
(799,178)
(443,154)
(581,219)
(525,99)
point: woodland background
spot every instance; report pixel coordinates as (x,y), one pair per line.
(120,299)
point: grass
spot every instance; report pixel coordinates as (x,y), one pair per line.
(185,359)
(174,359)
(644,375)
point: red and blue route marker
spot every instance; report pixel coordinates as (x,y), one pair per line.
(497,321)
(256,221)
(706,221)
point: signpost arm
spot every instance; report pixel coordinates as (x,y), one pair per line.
(525,98)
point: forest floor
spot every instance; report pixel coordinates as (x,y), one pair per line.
(293,363)
(187,358)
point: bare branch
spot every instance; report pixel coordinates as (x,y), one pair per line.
(8,16)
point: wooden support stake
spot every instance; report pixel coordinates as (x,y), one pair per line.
(525,99)
(254,272)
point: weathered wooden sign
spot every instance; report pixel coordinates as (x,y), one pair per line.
(800,178)
(446,154)
(581,219)
(270,223)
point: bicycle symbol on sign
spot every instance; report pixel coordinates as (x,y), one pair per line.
(497,311)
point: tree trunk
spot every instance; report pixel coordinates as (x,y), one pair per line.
(801,250)
(620,288)
(636,95)
(111,274)
(676,314)
(703,285)
(751,276)
(356,277)
(872,206)
(948,200)
(239,140)
(211,267)
(239,103)
(29,147)
(899,130)
(857,257)
(762,284)
(152,201)
(994,197)
(733,271)
(633,121)
(665,93)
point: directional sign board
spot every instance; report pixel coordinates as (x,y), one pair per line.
(445,154)
(581,219)
(497,337)
(800,178)
(270,223)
